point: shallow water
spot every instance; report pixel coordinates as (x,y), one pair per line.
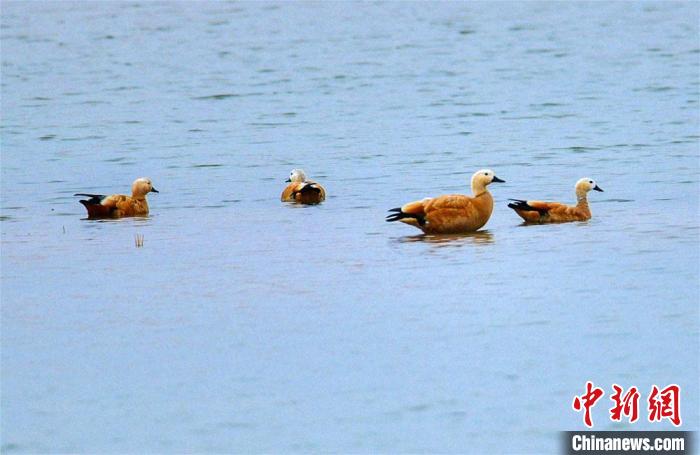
(247,325)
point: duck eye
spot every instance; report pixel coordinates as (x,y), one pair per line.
(486,173)
(591,182)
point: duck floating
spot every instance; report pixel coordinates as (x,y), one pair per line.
(556,212)
(119,205)
(302,190)
(451,213)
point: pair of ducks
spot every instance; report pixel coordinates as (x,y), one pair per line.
(457,213)
(119,205)
(447,214)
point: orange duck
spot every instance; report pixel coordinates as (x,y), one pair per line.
(302,190)
(555,212)
(119,205)
(451,213)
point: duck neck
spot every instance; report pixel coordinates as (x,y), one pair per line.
(478,190)
(483,199)
(581,199)
(139,196)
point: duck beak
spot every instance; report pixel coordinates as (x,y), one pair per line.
(597,188)
(497,180)
(288,180)
(153,190)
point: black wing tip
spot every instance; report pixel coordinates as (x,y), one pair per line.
(520,204)
(396,214)
(306,189)
(517,204)
(399,215)
(94,198)
(309,188)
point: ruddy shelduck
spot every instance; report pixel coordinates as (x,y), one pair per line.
(302,190)
(119,205)
(555,212)
(451,213)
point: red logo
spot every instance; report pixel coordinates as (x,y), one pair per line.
(665,404)
(587,401)
(627,405)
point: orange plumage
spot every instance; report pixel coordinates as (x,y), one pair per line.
(451,213)
(555,212)
(119,205)
(302,190)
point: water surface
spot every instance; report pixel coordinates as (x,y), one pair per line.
(246,325)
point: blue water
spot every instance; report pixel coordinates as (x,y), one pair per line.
(246,325)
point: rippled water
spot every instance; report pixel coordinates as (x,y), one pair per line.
(247,325)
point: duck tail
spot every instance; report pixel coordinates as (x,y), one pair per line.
(94,198)
(310,188)
(398,215)
(519,204)
(307,191)
(94,205)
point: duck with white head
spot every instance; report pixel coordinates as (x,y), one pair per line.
(451,213)
(301,190)
(119,205)
(556,212)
